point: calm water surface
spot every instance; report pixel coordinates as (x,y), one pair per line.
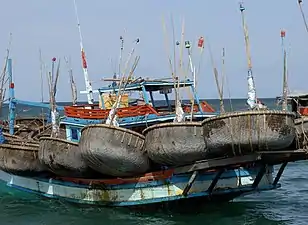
(287,205)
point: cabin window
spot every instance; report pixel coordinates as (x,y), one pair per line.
(74,133)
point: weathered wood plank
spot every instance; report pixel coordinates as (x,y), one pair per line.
(216,163)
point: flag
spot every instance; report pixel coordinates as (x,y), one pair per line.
(200,42)
(282,33)
(83,57)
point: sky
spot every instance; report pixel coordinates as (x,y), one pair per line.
(51,26)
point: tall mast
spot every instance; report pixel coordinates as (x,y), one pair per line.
(12,106)
(41,76)
(84,62)
(285,86)
(303,15)
(121,53)
(251,85)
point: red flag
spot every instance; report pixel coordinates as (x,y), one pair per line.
(84,62)
(201,42)
(282,33)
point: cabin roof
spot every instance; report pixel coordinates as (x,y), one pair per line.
(296,95)
(149,85)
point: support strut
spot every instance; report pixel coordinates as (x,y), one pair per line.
(214,182)
(280,171)
(259,176)
(190,182)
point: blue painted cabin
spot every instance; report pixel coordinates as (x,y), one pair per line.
(135,113)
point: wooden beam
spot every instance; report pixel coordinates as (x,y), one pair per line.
(280,171)
(216,163)
(190,183)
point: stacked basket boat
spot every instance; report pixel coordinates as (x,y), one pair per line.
(227,135)
(114,151)
(301,126)
(175,144)
(63,158)
(118,152)
(240,133)
(20,156)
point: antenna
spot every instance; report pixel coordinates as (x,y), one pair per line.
(84,62)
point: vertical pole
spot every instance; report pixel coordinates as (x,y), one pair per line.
(144,92)
(285,85)
(84,62)
(12,105)
(152,99)
(168,102)
(196,98)
(252,101)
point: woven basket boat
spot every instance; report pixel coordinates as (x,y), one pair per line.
(241,133)
(113,151)
(20,156)
(63,158)
(301,126)
(175,144)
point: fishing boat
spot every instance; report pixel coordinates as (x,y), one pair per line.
(131,119)
(298,102)
(132,115)
(220,179)
(113,151)
(203,181)
(299,105)
(175,144)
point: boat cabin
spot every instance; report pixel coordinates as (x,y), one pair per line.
(135,112)
(298,103)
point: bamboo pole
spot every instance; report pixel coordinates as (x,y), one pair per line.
(4,77)
(112,112)
(223,71)
(215,71)
(302,13)
(284,86)
(251,84)
(52,83)
(178,107)
(226,79)
(167,52)
(42,85)
(72,81)
(122,90)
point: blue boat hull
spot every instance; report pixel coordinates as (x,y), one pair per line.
(117,192)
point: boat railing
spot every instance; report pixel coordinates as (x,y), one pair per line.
(85,113)
(186,108)
(206,107)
